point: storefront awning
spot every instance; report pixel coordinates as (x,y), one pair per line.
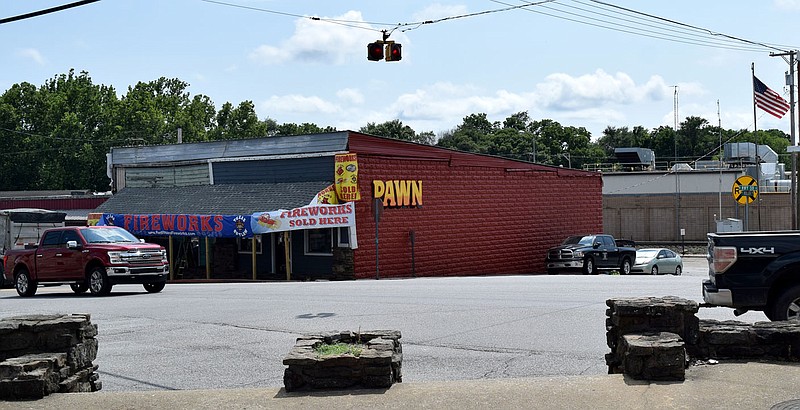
(157,211)
(228,199)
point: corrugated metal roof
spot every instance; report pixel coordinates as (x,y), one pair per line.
(228,199)
(283,145)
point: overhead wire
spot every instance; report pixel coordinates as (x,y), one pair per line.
(595,13)
(665,27)
(713,33)
(46,11)
(637,23)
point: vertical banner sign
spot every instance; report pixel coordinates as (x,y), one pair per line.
(346,170)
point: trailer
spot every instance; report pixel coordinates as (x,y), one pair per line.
(21,227)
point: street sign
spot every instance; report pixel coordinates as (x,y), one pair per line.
(745,190)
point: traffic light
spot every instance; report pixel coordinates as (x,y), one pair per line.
(394,52)
(375,51)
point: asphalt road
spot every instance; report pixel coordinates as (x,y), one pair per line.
(233,335)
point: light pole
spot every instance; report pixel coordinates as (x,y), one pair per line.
(569,160)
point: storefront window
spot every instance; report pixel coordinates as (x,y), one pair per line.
(319,241)
(344,237)
(245,245)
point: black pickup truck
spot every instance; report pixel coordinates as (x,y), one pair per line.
(755,271)
(591,254)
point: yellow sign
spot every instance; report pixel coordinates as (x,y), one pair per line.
(326,196)
(397,193)
(745,190)
(347,177)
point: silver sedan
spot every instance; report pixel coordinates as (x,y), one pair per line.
(657,261)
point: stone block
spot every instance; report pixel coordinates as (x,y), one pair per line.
(377,365)
(656,356)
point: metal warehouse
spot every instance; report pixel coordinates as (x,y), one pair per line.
(345,205)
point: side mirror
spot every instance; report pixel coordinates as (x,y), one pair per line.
(596,245)
(73,245)
(141,240)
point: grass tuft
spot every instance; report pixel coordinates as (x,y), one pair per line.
(325,349)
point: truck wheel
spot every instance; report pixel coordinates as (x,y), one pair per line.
(99,284)
(588,267)
(79,288)
(787,306)
(625,268)
(154,287)
(24,284)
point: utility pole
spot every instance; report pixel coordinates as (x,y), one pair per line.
(676,169)
(790,82)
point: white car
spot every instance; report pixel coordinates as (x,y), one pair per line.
(657,261)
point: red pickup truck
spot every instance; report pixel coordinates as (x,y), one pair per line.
(92,258)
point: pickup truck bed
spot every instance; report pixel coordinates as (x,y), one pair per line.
(755,271)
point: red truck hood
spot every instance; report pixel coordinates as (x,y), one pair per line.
(126,246)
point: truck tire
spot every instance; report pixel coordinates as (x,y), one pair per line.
(154,287)
(589,268)
(625,268)
(786,306)
(79,288)
(99,284)
(24,284)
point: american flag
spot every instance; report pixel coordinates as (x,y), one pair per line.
(769,100)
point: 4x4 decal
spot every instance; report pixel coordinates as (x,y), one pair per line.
(757,251)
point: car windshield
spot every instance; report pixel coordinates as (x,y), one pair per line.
(646,253)
(579,240)
(108,235)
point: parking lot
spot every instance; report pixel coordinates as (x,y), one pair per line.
(227,335)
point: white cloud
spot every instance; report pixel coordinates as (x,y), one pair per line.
(787,4)
(438,10)
(563,92)
(299,104)
(351,95)
(593,101)
(32,54)
(319,41)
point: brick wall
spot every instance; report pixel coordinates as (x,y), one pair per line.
(475,219)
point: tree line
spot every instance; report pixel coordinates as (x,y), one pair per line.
(57,135)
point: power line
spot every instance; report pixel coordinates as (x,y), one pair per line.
(608,16)
(357,24)
(687,25)
(646,25)
(46,11)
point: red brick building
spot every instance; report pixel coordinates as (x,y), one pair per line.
(442,212)
(480,214)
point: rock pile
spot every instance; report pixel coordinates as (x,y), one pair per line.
(656,338)
(44,354)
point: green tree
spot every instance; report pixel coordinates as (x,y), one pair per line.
(240,122)
(19,160)
(395,129)
(59,133)
(302,129)
(473,135)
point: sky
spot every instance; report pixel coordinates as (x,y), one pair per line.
(579,62)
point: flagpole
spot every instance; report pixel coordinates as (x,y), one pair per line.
(755,137)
